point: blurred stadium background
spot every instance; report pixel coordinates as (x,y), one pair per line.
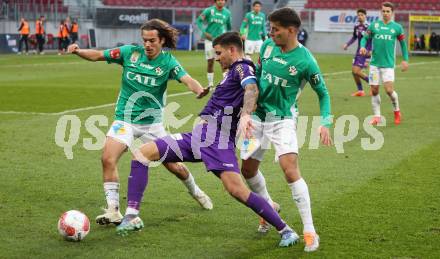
(366,204)
(108,23)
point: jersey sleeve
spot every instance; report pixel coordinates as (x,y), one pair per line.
(201,19)
(314,77)
(176,70)
(244,24)
(353,37)
(264,30)
(245,73)
(403,46)
(117,55)
(228,22)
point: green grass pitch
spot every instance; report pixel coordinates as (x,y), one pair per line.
(366,204)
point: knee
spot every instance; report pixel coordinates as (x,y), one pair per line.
(108,161)
(248,172)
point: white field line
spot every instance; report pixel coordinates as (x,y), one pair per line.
(41,64)
(79,109)
(171,95)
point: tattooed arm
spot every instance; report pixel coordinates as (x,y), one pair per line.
(249,105)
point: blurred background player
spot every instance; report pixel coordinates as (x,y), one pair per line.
(24,30)
(359,61)
(384,34)
(253,30)
(74,31)
(218,20)
(284,66)
(138,77)
(303,36)
(235,96)
(40,34)
(63,37)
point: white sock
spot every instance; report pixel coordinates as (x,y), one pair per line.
(375,102)
(257,184)
(300,193)
(210,79)
(131,211)
(191,185)
(111,190)
(395,100)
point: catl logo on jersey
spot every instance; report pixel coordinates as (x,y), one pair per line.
(267,52)
(134,57)
(382,37)
(141,79)
(292,70)
(159,71)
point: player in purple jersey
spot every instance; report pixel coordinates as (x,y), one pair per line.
(359,61)
(213,140)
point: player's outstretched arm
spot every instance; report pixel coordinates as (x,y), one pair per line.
(194,86)
(318,85)
(249,105)
(87,54)
(404,65)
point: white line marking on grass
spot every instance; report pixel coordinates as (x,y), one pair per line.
(410,65)
(168,96)
(41,64)
(80,109)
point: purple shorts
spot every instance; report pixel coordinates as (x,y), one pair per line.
(204,144)
(360,61)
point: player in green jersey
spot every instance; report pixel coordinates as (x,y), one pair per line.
(145,72)
(253,30)
(218,21)
(384,34)
(284,66)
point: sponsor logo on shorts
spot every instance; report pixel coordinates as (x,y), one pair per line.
(228,165)
(119,129)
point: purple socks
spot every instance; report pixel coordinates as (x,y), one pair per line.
(137,183)
(265,210)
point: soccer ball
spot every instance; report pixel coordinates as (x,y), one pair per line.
(73,225)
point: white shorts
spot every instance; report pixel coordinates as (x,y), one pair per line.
(209,50)
(380,75)
(127,133)
(282,134)
(252,46)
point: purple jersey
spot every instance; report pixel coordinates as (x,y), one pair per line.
(227,98)
(358,32)
(213,142)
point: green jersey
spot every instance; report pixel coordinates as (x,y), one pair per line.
(282,75)
(255,23)
(218,21)
(384,43)
(143,83)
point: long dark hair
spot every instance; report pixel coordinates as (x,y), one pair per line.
(164,30)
